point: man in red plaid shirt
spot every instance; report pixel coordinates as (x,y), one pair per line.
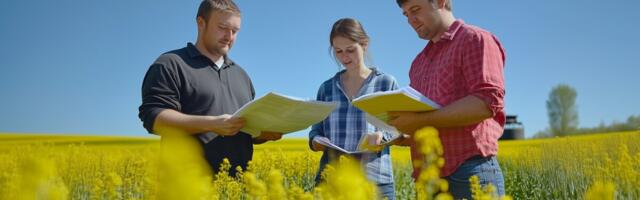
(461,68)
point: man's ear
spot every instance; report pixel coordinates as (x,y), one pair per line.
(201,23)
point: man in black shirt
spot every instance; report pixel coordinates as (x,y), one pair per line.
(195,89)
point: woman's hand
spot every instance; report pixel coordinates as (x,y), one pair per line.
(371,142)
(317,147)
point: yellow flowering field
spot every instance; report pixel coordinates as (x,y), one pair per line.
(564,168)
(603,166)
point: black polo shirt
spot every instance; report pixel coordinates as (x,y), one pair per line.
(187,81)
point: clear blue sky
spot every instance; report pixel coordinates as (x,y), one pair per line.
(77,66)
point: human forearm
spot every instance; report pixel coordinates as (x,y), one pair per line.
(266,136)
(225,125)
(316,130)
(189,124)
(466,111)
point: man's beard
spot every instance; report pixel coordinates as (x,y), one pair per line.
(218,49)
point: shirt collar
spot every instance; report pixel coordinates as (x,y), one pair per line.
(194,52)
(227,62)
(453,30)
(374,73)
(336,81)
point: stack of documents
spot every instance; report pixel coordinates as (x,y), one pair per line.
(278,113)
(364,145)
(327,143)
(284,114)
(378,104)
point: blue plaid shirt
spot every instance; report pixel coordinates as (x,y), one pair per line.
(346,125)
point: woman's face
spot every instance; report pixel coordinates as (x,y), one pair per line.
(348,52)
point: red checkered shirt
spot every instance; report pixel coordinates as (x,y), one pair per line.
(466,61)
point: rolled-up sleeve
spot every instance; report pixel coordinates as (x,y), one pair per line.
(159,92)
(483,70)
(317,129)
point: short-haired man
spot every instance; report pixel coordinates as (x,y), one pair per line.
(461,68)
(195,88)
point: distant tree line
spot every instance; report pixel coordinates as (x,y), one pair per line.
(632,123)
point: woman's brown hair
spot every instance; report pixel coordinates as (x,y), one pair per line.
(351,29)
